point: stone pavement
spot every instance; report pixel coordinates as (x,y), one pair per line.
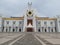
(6,38)
(49,38)
(30,38)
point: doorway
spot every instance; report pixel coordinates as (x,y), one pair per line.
(29,29)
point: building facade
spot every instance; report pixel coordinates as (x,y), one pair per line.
(29,22)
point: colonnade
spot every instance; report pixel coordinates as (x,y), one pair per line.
(43,29)
(11,29)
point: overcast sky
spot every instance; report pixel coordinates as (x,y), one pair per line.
(16,7)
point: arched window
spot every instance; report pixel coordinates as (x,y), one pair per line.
(55,29)
(39,22)
(59,22)
(51,23)
(20,22)
(7,22)
(45,23)
(39,30)
(9,29)
(14,22)
(45,30)
(6,30)
(13,30)
(51,30)
(19,30)
(3,29)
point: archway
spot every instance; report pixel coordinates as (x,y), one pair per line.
(38,30)
(13,30)
(19,30)
(51,30)
(29,29)
(45,30)
(6,30)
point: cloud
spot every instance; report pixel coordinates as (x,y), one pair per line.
(16,7)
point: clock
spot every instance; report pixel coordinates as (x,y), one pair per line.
(29,12)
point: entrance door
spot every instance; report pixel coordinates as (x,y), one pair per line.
(29,29)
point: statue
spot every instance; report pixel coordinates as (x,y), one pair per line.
(29,5)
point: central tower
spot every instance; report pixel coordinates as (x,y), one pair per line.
(29,19)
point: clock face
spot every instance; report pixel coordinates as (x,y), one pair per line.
(29,12)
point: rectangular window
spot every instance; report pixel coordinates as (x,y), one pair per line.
(7,22)
(51,22)
(3,29)
(45,23)
(59,22)
(39,22)
(14,22)
(19,22)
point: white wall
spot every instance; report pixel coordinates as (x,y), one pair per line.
(58,24)
(48,24)
(0,24)
(15,25)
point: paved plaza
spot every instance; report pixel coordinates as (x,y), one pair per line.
(29,38)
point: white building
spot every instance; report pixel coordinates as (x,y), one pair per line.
(30,23)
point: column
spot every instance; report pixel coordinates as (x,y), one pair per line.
(53,29)
(47,29)
(34,22)
(11,29)
(4,29)
(18,29)
(0,29)
(50,29)
(23,29)
(41,29)
(7,29)
(25,23)
(14,29)
(37,30)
